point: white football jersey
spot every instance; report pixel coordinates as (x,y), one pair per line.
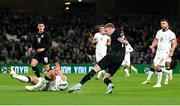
(101,41)
(164,40)
(127,60)
(129,48)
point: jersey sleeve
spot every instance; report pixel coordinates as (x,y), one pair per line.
(129,48)
(96,36)
(107,37)
(173,36)
(158,35)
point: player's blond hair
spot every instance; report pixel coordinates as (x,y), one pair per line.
(109,25)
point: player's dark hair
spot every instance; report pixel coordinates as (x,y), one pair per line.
(166,20)
(101,25)
(41,22)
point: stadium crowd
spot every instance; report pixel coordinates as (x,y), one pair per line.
(72,34)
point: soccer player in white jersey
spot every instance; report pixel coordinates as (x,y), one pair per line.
(165,41)
(101,41)
(127,61)
(58,81)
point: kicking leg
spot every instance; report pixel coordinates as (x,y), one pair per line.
(102,64)
(86,78)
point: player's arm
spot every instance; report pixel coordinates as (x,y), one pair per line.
(59,72)
(109,42)
(153,45)
(173,46)
(94,40)
(49,42)
(123,40)
(130,49)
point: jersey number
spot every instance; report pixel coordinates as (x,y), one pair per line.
(45,59)
(38,40)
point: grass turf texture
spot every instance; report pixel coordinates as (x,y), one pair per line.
(127,91)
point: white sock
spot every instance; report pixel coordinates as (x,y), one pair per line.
(150,73)
(103,72)
(100,73)
(127,72)
(134,69)
(166,77)
(159,77)
(22,78)
(79,84)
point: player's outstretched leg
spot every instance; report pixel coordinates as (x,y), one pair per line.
(134,69)
(84,80)
(150,73)
(41,85)
(12,72)
(21,78)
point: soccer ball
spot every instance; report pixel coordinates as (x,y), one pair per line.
(62,85)
(146,70)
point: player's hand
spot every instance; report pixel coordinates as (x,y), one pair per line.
(125,42)
(94,41)
(30,49)
(152,49)
(109,42)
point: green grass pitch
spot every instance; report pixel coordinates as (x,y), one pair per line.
(127,91)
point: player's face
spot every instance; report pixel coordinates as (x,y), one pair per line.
(101,30)
(108,31)
(164,25)
(41,27)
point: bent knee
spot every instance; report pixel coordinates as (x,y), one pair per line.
(34,62)
(47,67)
